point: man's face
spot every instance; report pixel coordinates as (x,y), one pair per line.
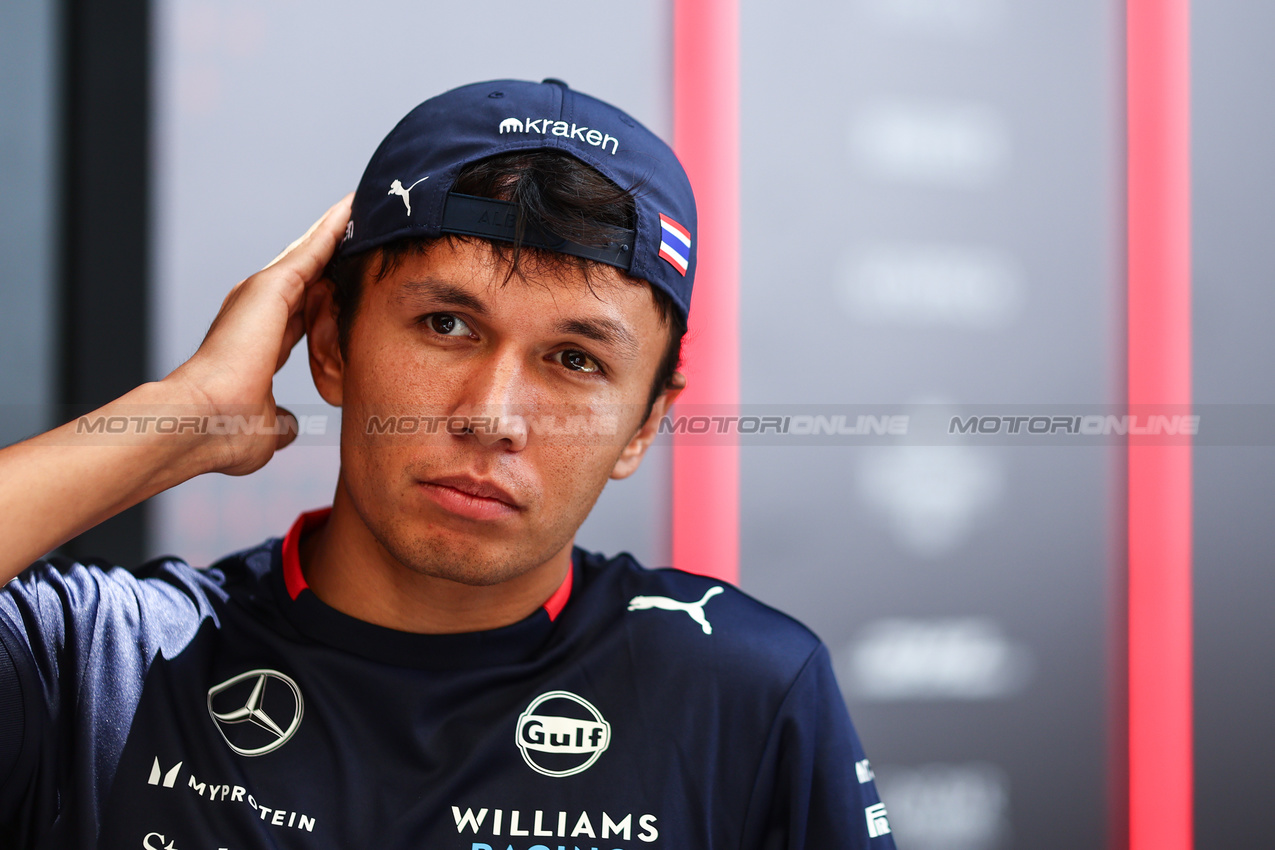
(549,372)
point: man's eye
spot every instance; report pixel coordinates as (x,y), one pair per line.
(578,361)
(447,325)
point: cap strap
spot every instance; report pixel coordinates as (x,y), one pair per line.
(492,219)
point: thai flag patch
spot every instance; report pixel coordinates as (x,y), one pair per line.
(675,244)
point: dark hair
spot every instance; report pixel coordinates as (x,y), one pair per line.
(561,195)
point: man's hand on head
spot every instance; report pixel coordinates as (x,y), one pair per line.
(61,483)
(260,322)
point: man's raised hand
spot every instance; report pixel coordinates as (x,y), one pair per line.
(63,482)
(260,322)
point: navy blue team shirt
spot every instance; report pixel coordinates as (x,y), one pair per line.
(228,707)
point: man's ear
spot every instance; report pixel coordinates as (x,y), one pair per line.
(323,340)
(633,453)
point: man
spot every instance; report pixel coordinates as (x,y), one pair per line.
(429,663)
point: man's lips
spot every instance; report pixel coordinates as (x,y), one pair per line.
(471,497)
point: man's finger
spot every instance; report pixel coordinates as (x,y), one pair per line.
(310,232)
(292,334)
(324,235)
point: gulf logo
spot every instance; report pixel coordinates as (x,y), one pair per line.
(562,734)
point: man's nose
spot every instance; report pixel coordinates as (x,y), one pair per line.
(496,400)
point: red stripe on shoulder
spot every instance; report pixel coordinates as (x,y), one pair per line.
(554,604)
(293,577)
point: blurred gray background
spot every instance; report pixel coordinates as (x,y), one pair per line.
(932,215)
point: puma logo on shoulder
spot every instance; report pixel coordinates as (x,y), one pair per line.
(396,188)
(695,610)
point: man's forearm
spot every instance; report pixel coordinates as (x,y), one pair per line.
(63,482)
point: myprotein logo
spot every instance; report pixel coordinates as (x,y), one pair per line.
(549,127)
(168,777)
(562,734)
(256,712)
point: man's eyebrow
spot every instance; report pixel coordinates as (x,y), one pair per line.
(441,293)
(606,331)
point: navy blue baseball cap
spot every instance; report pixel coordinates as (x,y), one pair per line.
(406,189)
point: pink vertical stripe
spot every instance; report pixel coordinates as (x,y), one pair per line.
(1160,740)
(706,138)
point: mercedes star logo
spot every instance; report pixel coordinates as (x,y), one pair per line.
(251,724)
